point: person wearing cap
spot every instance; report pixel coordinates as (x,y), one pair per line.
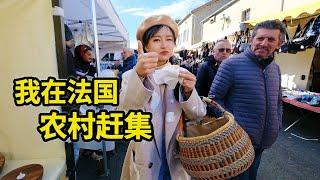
(158,158)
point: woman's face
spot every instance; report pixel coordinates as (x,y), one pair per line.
(162,43)
(88,56)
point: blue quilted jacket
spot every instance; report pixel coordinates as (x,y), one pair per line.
(252,93)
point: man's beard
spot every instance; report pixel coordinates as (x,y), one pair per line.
(264,48)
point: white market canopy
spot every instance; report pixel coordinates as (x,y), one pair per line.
(109,26)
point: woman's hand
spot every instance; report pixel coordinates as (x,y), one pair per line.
(147,62)
(189,81)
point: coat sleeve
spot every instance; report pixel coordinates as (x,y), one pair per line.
(134,93)
(222,82)
(194,108)
(201,79)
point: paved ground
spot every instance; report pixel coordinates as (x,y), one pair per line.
(87,168)
(290,158)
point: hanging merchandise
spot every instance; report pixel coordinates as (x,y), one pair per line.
(242,41)
(317,42)
(83,34)
(88,33)
(304,38)
(310,33)
(77,35)
(288,46)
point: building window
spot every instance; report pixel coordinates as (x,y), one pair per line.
(245,15)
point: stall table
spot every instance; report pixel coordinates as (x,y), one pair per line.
(311,109)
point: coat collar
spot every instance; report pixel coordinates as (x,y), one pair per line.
(262,63)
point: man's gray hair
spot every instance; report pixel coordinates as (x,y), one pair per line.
(129,50)
(271,24)
(222,40)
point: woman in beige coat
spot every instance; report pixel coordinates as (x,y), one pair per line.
(157,159)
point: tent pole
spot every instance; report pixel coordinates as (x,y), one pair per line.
(282,5)
(95,33)
(96,47)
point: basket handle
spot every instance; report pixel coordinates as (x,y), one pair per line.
(213,103)
(183,123)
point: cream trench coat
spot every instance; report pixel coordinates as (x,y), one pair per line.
(143,161)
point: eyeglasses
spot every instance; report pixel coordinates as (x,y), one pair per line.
(224,49)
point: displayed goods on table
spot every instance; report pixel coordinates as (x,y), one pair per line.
(311,98)
(215,148)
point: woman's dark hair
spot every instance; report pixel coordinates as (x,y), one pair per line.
(80,50)
(150,33)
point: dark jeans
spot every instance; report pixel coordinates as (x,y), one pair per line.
(71,167)
(251,173)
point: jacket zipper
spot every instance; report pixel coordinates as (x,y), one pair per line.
(266,111)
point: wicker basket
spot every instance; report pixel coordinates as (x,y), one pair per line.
(216,149)
(2,161)
(28,172)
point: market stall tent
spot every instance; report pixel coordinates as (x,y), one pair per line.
(292,16)
(96,23)
(109,26)
(111,33)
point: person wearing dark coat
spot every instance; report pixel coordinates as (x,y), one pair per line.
(84,61)
(209,68)
(249,86)
(129,61)
(69,55)
(69,146)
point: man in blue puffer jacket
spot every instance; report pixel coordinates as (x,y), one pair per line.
(249,86)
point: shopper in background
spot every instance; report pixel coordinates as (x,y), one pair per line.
(84,61)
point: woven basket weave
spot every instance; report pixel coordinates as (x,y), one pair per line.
(223,153)
(2,161)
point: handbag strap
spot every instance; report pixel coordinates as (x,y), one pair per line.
(182,124)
